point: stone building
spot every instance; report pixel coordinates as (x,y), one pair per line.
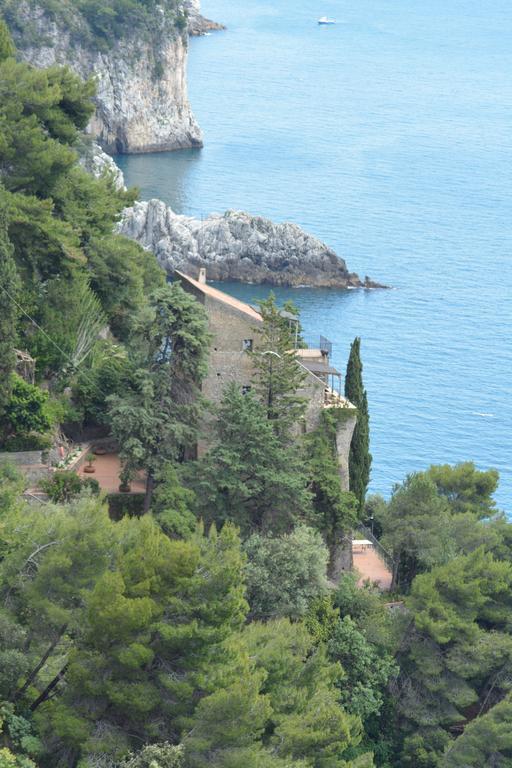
(234,328)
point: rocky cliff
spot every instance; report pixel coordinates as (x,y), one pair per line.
(236,246)
(141,102)
(96,162)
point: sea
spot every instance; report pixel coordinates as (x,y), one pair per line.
(389,136)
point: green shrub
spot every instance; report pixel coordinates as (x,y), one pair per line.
(108,374)
(122,504)
(31,442)
(181,21)
(64,486)
(27,410)
(163,755)
(285,574)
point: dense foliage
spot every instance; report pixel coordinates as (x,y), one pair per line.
(250,476)
(335,511)
(279,377)
(216,630)
(8,312)
(97,23)
(65,274)
(155,419)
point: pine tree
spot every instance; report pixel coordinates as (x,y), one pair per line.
(9,284)
(279,376)
(360,458)
(249,476)
(6,45)
(156,420)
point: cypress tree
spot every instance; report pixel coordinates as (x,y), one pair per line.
(360,458)
(9,285)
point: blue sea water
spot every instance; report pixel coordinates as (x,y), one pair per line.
(389,136)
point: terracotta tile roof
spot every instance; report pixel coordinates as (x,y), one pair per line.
(214,293)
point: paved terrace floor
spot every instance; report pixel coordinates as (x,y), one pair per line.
(107,469)
(369,565)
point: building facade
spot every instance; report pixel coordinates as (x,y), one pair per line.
(234,328)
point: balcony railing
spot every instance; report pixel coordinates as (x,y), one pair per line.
(319,342)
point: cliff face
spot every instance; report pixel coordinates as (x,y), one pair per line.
(236,246)
(141,103)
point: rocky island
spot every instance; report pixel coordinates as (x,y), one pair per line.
(237,246)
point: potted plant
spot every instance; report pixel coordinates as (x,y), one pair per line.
(99,450)
(125,476)
(90,458)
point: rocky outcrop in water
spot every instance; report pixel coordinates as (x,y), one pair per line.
(141,102)
(236,246)
(197,24)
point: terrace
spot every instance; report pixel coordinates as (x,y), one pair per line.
(316,361)
(107,468)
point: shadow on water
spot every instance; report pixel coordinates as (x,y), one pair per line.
(173,171)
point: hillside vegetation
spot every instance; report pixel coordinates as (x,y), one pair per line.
(203,631)
(98,23)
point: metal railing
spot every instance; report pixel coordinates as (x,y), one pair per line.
(319,342)
(384,554)
(326,346)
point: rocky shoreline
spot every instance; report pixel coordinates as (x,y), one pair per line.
(198,25)
(237,246)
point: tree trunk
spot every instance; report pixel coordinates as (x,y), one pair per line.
(49,688)
(340,558)
(150,484)
(396,565)
(32,676)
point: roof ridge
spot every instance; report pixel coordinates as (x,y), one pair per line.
(225,298)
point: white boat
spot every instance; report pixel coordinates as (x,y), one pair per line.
(326,20)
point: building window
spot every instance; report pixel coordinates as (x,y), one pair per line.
(247,345)
(246,388)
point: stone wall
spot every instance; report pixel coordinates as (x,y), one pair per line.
(228,361)
(343,439)
(30,465)
(21,458)
(314,392)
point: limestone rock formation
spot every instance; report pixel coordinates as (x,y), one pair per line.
(197,24)
(96,162)
(141,102)
(236,246)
